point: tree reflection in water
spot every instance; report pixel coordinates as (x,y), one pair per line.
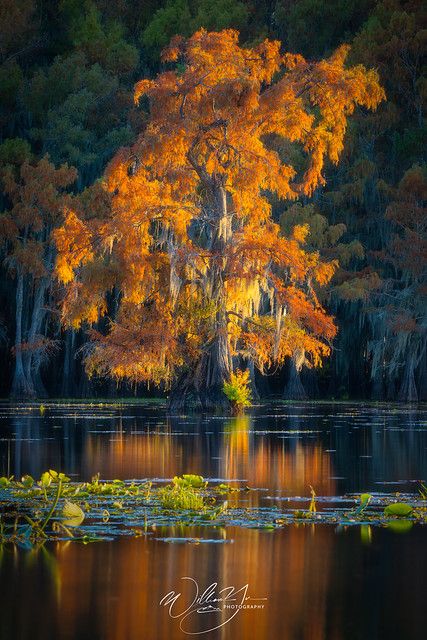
(321,585)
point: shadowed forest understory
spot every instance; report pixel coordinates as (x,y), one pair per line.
(77,322)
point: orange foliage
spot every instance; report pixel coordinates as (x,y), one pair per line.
(187,237)
(38,198)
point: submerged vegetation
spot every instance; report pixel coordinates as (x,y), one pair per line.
(55,508)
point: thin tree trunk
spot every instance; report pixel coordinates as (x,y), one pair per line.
(391,394)
(408,389)
(31,362)
(422,377)
(309,381)
(294,389)
(67,387)
(377,392)
(253,386)
(21,386)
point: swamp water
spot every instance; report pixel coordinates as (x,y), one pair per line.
(305,581)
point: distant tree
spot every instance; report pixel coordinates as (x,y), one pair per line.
(101,41)
(16,26)
(400,316)
(36,192)
(326,240)
(78,114)
(205,275)
(184,17)
(381,147)
(394,40)
(315,27)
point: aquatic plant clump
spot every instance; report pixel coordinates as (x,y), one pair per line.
(183,494)
(238,391)
(55,508)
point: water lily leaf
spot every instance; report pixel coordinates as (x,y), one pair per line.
(27,481)
(401,509)
(73,513)
(45,480)
(190,480)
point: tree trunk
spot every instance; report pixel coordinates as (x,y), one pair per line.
(309,381)
(377,392)
(391,389)
(293,388)
(408,389)
(253,386)
(422,377)
(67,386)
(203,386)
(214,369)
(32,359)
(21,386)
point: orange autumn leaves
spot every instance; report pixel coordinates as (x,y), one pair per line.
(214,121)
(37,193)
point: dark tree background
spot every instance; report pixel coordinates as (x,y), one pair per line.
(67,70)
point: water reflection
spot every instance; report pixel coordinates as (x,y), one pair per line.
(357,584)
(335,448)
(319,586)
(288,466)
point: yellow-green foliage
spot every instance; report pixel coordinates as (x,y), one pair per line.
(181,497)
(237,389)
(190,480)
(184,493)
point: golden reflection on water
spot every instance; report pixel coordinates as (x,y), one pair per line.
(272,463)
(116,588)
(112,590)
(319,585)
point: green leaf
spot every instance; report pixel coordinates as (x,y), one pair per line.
(27,481)
(365,498)
(73,513)
(401,509)
(45,480)
(190,480)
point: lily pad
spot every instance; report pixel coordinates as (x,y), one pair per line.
(401,509)
(190,480)
(73,514)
